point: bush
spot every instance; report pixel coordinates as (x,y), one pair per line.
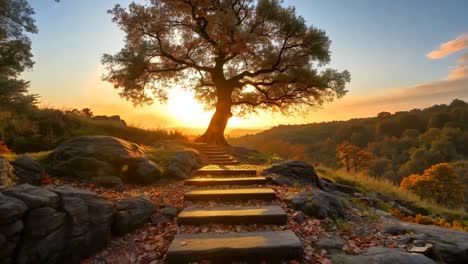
(438,183)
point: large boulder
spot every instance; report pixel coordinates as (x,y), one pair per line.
(28,170)
(448,245)
(317,204)
(183,164)
(293,171)
(7,177)
(381,255)
(103,156)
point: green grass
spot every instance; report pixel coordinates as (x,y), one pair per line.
(368,184)
(40,156)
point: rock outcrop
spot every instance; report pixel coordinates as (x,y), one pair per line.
(291,172)
(443,245)
(102,156)
(28,170)
(381,255)
(62,224)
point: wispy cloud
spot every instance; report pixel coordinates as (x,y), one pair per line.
(460,43)
(452,46)
(458,72)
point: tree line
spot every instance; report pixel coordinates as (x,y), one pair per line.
(391,146)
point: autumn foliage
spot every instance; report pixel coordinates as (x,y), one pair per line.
(439,183)
(352,157)
(3,148)
(426,220)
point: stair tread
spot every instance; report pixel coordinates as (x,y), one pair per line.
(202,171)
(226,181)
(230,246)
(231,194)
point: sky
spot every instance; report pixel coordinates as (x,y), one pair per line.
(401,55)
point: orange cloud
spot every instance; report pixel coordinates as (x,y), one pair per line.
(463,58)
(460,71)
(452,46)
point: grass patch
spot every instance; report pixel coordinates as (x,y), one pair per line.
(40,156)
(384,186)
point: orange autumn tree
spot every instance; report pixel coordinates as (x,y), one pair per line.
(237,56)
(353,157)
(439,183)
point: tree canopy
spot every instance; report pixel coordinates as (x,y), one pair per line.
(15,53)
(238,55)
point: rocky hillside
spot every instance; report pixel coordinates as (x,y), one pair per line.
(103,199)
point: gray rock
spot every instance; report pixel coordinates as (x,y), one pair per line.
(450,246)
(132,213)
(112,119)
(101,156)
(100,211)
(28,170)
(299,217)
(393,230)
(46,249)
(146,172)
(330,243)
(12,229)
(3,240)
(297,170)
(33,196)
(11,209)
(421,249)
(344,188)
(280,179)
(7,177)
(69,191)
(380,255)
(77,215)
(318,204)
(108,149)
(40,222)
(109,182)
(170,211)
(183,164)
(82,167)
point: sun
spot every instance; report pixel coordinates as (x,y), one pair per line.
(186,111)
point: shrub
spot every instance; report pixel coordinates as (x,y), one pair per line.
(438,183)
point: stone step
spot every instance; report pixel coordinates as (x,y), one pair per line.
(266,194)
(224,162)
(209,148)
(225,156)
(210,153)
(221,159)
(232,215)
(225,248)
(224,172)
(226,181)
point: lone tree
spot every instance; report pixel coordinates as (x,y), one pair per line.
(238,56)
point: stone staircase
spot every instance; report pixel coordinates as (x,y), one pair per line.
(270,246)
(214,155)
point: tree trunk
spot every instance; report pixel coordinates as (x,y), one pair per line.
(214,134)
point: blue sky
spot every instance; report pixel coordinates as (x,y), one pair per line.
(382,43)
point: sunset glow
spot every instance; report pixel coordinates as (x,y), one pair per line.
(407,72)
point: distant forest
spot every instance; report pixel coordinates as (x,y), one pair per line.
(403,143)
